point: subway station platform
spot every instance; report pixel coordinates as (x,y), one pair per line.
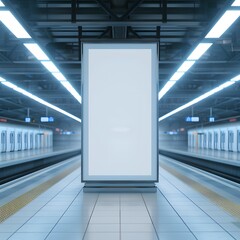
(231,158)
(16,157)
(189,204)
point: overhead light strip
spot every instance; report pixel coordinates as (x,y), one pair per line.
(186,66)
(202,97)
(13,25)
(166,88)
(236,3)
(222,25)
(50,66)
(30,95)
(18,30)
(225,21)
(199,51)
(1,4)
(36,51)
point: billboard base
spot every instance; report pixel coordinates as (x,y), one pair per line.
(119,187)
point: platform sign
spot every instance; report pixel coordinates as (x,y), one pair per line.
(211,119)
(120,112)
(47,119)
(192,119)
(27,119)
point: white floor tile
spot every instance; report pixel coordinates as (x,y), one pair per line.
(101,236)
(28,236)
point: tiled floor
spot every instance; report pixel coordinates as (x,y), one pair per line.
(175,212)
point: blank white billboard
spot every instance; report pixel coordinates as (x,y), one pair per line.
(120,112)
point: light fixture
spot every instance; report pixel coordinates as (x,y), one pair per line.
(235,79)
(200,98)
(227,19)
(176,76)
(165,89)
(70,88)
(185,66)
(13,25)
(199,51)
(2,79)
(1,4)
(236,3)
(59,76)
(30,95)
(50,66)
(16,28)
(36,51)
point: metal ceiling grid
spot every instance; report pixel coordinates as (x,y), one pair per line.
(59,26)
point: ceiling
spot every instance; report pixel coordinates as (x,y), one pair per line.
(59,26)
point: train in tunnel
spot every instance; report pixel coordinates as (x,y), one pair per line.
(17,138)
(224,137)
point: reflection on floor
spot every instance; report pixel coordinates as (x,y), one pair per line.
(177,211)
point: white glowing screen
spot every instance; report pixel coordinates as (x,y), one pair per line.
(119,113)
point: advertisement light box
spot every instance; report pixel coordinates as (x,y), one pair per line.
(120,112)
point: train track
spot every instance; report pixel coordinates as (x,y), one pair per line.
(222,169)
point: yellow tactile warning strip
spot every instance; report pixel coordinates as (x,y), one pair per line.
(16,204)
(229,206)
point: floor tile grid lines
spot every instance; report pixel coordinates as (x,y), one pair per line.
(90,217)
(44,206)
(150,216)
(66,209)
(197,207)
(18,202)
(207,177)
(177,214)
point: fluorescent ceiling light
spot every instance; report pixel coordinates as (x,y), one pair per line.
(235,79)
(2,79)
(50,66)
(185,66)
(227,19)
(16,28)
(59,76)
(30,95)
(198,99)
(236,3)
(176,76)
(13,25)
(199,51)
(70,88)
(36,51)
(165,89)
